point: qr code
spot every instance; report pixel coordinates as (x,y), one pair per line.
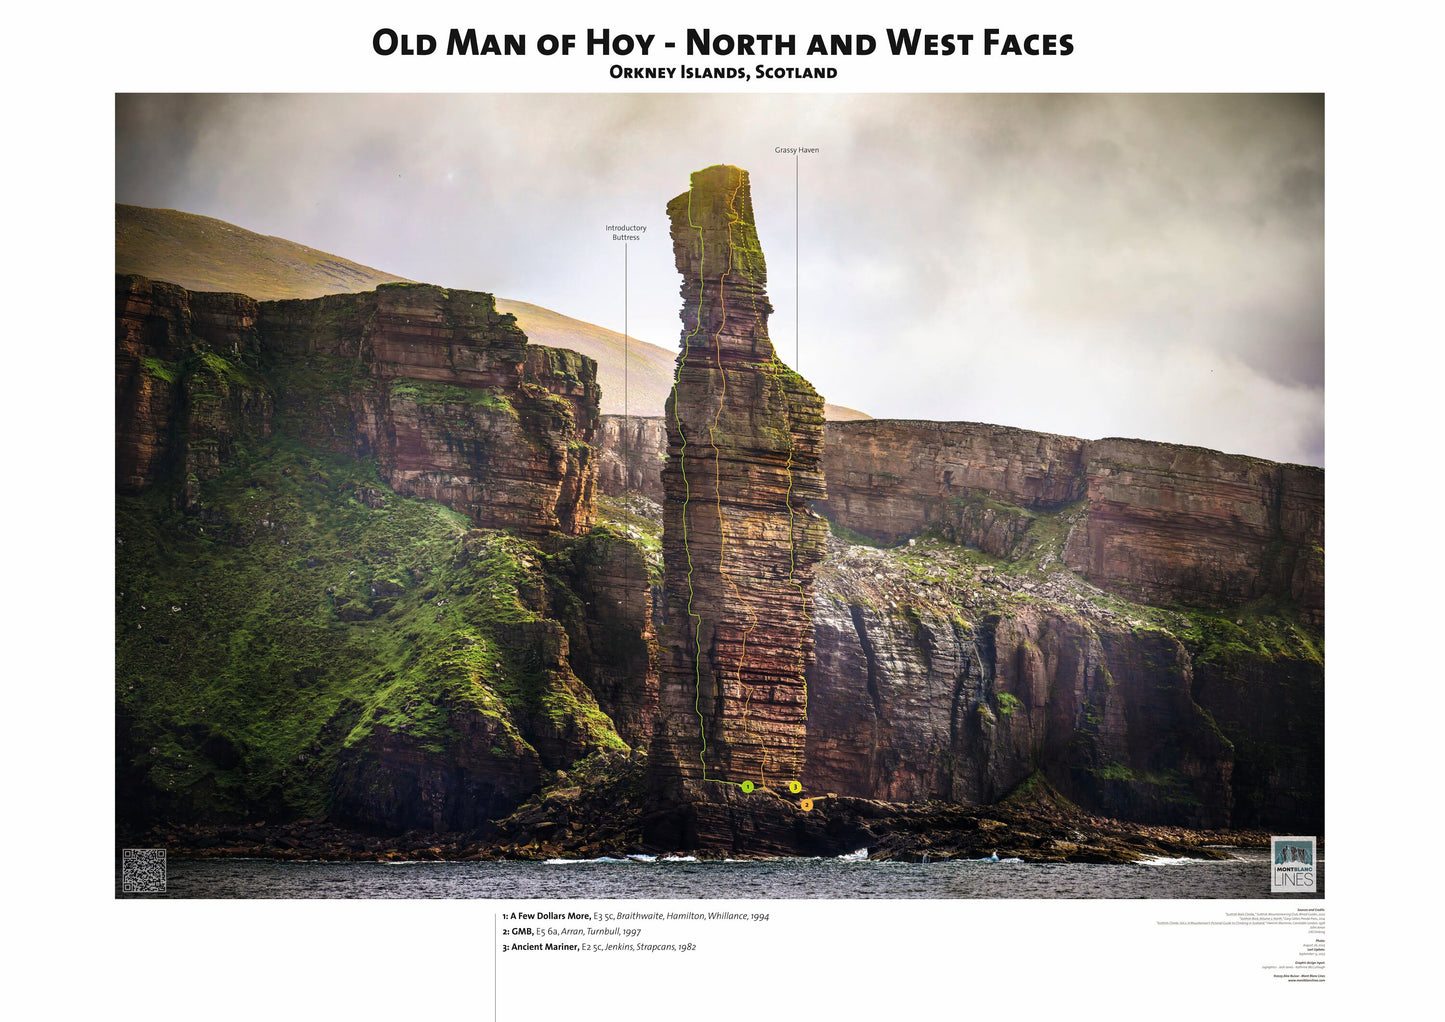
(143,870)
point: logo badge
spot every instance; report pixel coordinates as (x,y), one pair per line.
(1292,866)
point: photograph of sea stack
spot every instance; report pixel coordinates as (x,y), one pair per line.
(402,576)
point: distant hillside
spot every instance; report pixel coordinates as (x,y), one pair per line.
(649,368)
(842,413)
(205,254)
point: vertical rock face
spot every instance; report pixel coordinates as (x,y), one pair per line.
(448,396)
(744,437)
(187,389)
(915,706)
(606,607)
(631,451)
(437,385)
(1168,522)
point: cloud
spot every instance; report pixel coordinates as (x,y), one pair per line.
(1138,265)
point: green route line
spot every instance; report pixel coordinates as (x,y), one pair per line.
(733,218)
(687,495)
(774,366)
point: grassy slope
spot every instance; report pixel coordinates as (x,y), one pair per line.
(304,606)
(205,254)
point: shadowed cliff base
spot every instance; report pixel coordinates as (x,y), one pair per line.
(604,812)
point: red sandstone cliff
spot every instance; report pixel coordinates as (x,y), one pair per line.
(1170,523)
(631,451)
(186,383)
(740,546)
(440,388)
(1159,522)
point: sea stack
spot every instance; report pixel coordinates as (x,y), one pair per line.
(740,545)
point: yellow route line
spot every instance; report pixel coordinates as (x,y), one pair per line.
(775,365)
(687,497)
(733,218)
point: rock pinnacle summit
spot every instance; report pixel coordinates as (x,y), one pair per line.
(740,544)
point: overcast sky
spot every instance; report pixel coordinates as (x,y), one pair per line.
(1143,266)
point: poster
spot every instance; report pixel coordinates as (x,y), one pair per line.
(1022,663)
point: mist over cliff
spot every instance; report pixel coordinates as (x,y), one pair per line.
(1145,266)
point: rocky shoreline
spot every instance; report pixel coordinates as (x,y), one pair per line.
(595,820)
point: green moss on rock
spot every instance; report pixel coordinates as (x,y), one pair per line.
(305,608)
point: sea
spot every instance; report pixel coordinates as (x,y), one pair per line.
(1245,875)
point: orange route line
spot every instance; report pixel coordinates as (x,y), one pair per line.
(733,218)
(774,365)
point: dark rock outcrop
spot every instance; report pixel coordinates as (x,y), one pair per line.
(396,783)
(605,602)
(744,438)
(187,383)
(914,706)
(1271,707)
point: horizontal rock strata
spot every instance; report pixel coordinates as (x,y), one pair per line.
(1170,523)
(188,386)
(739,544)
(441,389)
(631,452)
(1160,522)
